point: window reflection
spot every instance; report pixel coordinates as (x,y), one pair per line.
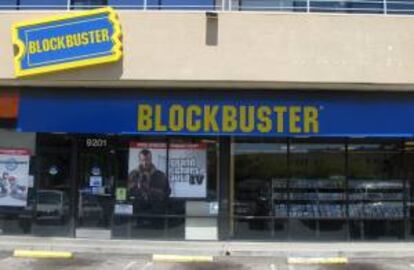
(317,190)
(44,4)
(87,4)
(409,169)
(53,198)
(257,168)
(260,188)
(376,190)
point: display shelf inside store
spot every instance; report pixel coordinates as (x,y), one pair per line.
(376,199)
(327,198)
(317,184)
(310,198)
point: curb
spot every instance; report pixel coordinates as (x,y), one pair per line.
(43,254)
(180,258)
(317,260)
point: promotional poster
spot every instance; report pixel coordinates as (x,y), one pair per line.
(14,177)
(188,170)
(186,176)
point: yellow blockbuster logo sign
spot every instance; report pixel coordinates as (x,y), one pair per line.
(67,41)
(195,118)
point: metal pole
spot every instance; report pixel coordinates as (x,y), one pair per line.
(145,4)
(68,5)
(385,6)
(307,6)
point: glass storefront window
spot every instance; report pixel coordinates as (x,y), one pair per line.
(331,190)
(260,186)
(296,194)
(16,196)
(409,195)
(317,191)
(126,4)
(8,4)
(53,187)
(158,187)
(88,4)
(376,191)
(44,4)
(163,177)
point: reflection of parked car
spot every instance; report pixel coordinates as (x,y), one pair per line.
(89,207)
(52,205)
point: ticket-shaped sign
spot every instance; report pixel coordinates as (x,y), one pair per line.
(66,42)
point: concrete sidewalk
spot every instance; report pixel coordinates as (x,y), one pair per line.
(213,248)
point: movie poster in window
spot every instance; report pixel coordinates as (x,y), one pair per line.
(147,177)
(187,171)
(14,177)
(186,176)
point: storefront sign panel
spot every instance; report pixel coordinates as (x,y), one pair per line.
(237,114)
(66,42)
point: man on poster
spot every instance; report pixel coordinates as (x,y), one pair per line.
(148,185)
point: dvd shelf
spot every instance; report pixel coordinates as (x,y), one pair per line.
(332,198)
(281,210)
(378,210)
(376,199)
(309,198)
(317,184)
(317,211)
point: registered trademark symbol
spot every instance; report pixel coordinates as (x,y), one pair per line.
(321,107)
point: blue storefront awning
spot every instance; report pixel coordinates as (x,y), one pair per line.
(226,112)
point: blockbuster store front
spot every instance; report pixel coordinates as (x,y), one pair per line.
(201,164)
(211,164)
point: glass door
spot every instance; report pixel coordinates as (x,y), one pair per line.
(95,193)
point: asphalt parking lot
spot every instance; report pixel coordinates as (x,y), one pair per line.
(86,261)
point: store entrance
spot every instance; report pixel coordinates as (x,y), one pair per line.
(95,188)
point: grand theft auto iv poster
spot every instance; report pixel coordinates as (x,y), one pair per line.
(14,177)
(186,176)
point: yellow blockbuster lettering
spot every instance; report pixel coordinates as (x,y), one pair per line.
(263,115)
(53,44)
(280,116)
(69,41)
(61,43)
(144,117)
(84,38)
(98,36)
(45,45)
(91,37)
(229,118)
(77,40)
(310,119)
(193,124)
(210,121)
(247,118)
(32,47)
(294,119)
(105,34)
(158,119)
(176,118)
